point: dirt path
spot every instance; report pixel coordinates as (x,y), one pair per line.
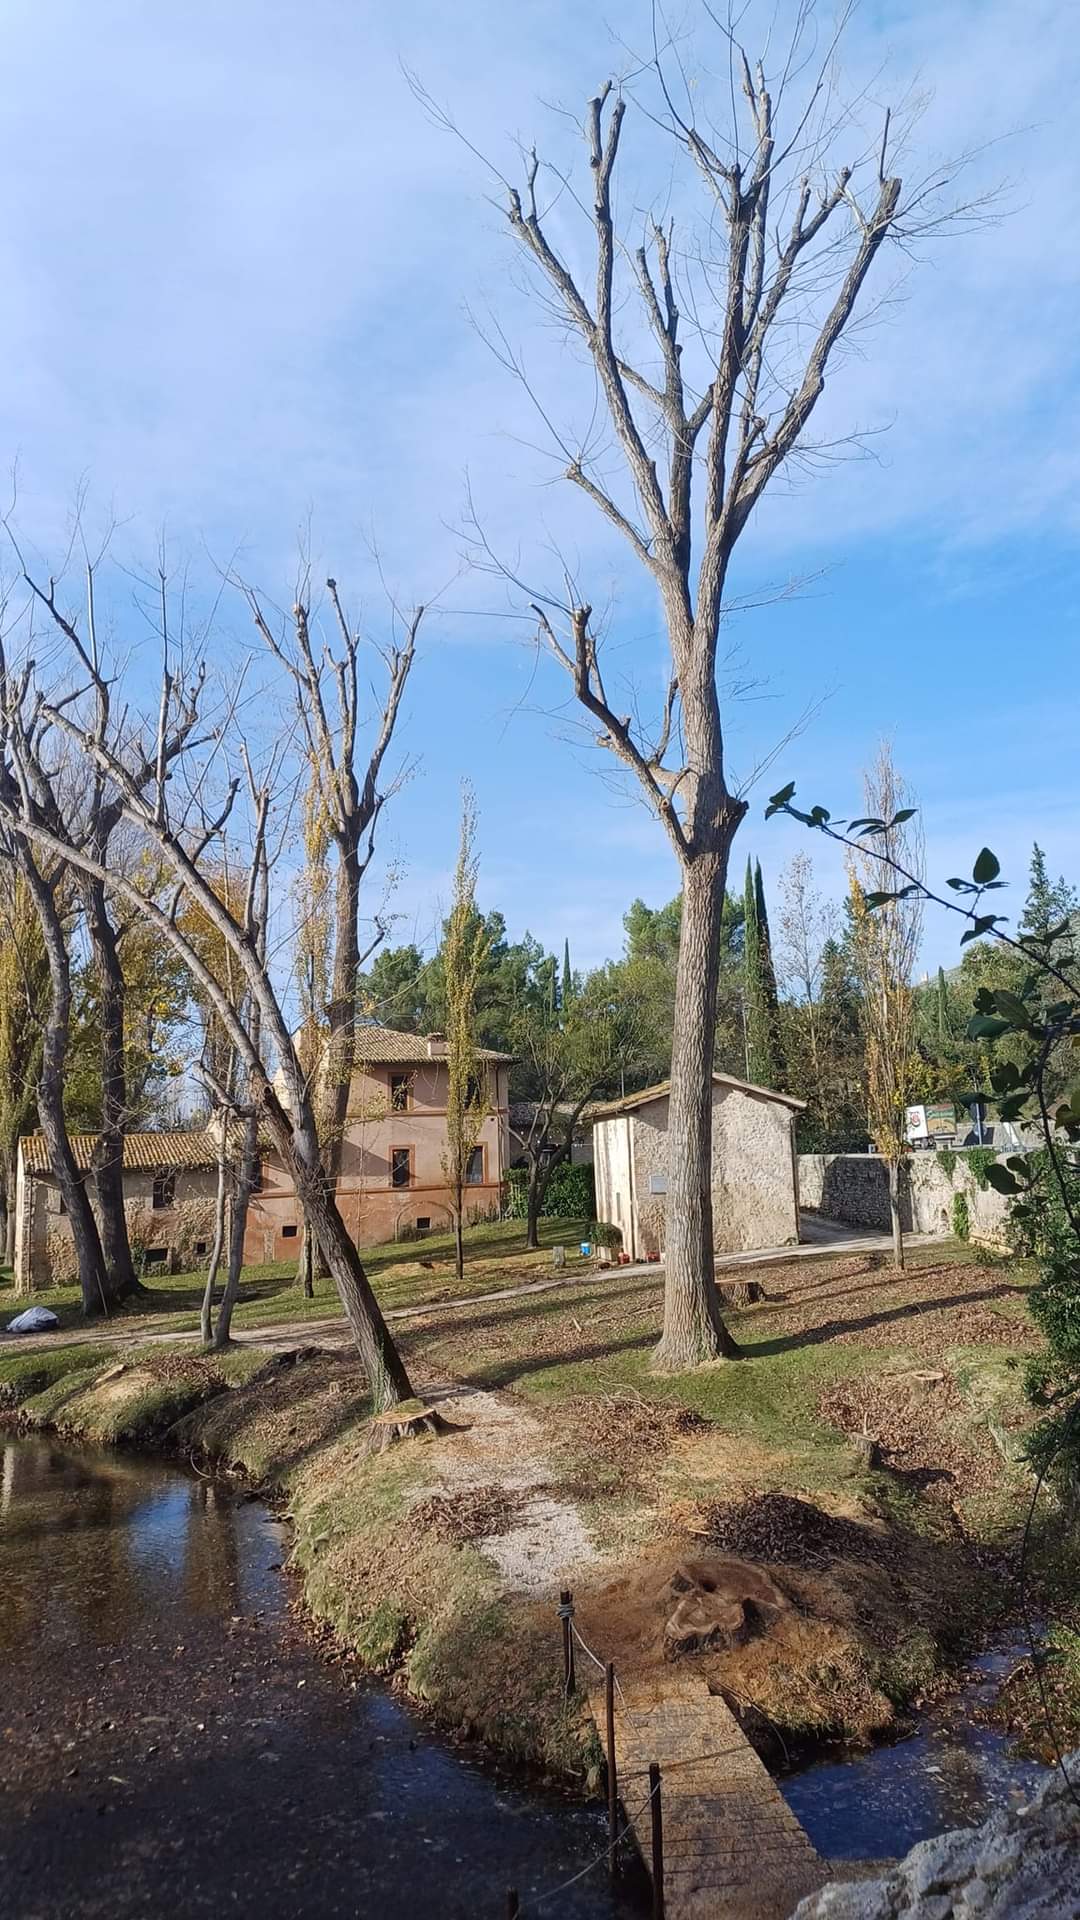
(825,1238)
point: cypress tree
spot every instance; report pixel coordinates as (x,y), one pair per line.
(768,981)
(760,1064)
(567,976)
(943,1022)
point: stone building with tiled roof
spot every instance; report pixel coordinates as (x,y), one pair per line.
(755,1185)
(170,1183)
(392,1173)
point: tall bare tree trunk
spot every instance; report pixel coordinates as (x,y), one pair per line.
(109,1155)
(299,1146)
(245,1186)
(694,1330)
(341,1052)
(206,1316)
(94,1280)
(459,1232)
(534,1202)
(305,1267)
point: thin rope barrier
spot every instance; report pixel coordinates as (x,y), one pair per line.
(542,1898)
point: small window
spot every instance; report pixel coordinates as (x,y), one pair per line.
(200,1249)
(289,1232)
(474,1172)
(423,1223)
(474,1091)
(155,1257)
(401,1089)
(401,1166)
(164,1190)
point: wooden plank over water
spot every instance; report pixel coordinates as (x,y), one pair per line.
(733,1849)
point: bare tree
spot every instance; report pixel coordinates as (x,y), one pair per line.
(565,1057)
(22,801)
(709,345)
(139,762)
(886,947)
(344,806)
(808,922)
(234,1099)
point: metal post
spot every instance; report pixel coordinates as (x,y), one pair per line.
(566,1614)
(612,1769)
(657,1843)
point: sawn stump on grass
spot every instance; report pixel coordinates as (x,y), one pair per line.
(405,1421)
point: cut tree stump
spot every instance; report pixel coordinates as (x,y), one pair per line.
(406,1421)
(741,1293)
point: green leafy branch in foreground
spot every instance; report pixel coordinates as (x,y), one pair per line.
(1042,1014)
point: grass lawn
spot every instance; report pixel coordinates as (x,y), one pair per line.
(822,1322)
(402,1273)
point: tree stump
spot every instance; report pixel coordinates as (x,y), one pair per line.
(406,1421)
(741,1293)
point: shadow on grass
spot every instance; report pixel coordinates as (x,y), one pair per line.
(888,1316)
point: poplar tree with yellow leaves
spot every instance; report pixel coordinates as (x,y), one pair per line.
(464,950)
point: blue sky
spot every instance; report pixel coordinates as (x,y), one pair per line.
(239,264)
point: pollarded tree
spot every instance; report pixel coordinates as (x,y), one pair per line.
(345,800)
(709,339)
(178,822)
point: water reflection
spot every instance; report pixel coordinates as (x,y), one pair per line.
(88,1547)
(159,1705)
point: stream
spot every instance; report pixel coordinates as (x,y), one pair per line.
(875,1804)
(170,1740)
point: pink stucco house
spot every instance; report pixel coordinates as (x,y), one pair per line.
(392,1173)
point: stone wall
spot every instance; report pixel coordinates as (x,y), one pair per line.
(753,1185)
(854,1187)
(176,1235)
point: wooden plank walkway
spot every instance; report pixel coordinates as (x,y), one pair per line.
(733,1849)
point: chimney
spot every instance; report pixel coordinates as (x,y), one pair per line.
(436,1046)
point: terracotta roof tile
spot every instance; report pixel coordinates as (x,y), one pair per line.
(145,1152)
(609,1108)
(384,1046)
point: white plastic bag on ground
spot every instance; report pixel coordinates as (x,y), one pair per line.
(34,1320)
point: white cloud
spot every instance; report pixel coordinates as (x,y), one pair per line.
(236,257)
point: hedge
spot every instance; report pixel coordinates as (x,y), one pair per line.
(570,1196)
